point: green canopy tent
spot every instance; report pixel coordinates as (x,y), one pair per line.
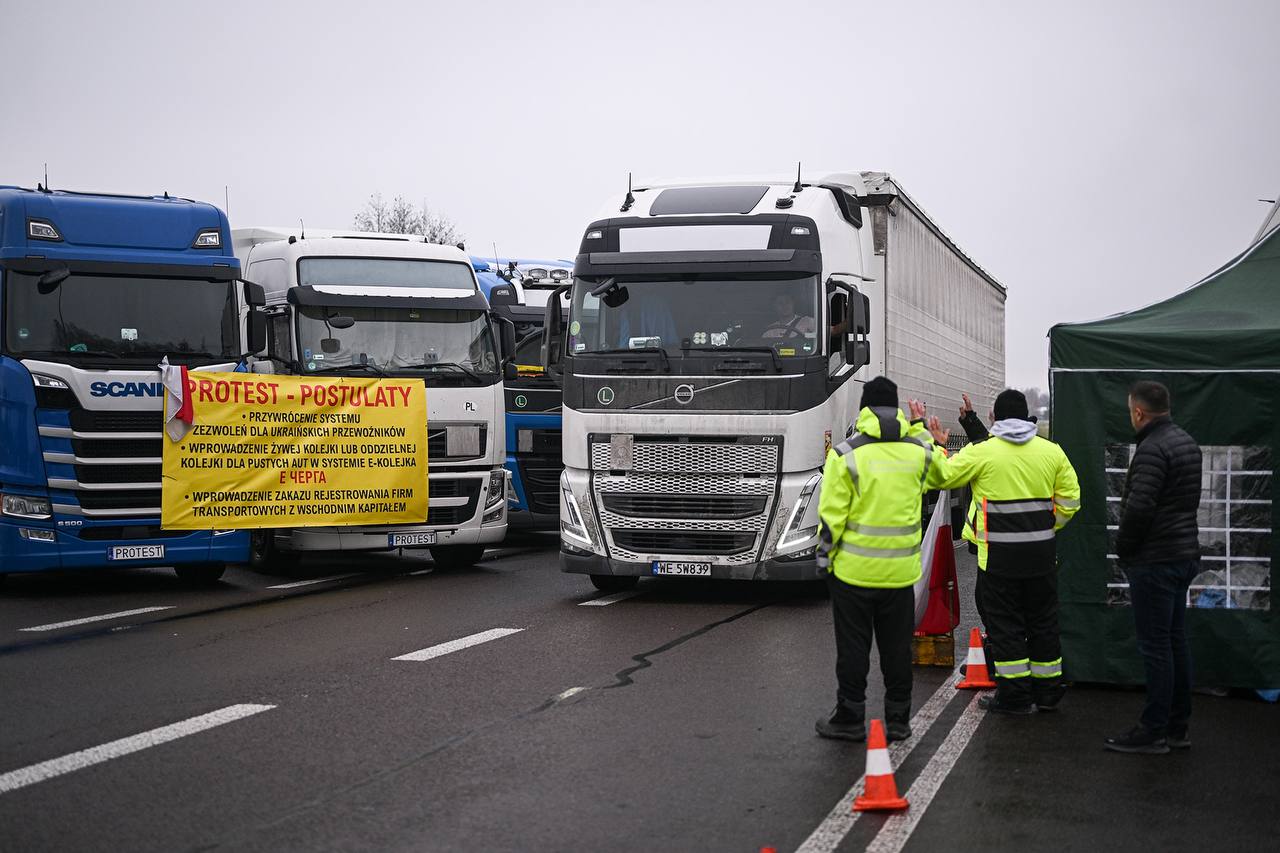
(1217,347)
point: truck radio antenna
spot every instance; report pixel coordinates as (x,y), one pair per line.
(46,177)
(798,187)
(630,199)
(302,228)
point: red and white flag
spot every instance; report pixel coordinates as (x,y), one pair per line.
(177,403)
(937,597)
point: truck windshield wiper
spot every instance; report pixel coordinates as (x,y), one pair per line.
(432,365)
(370,366)
(99,353)
(777,364)
(666,362)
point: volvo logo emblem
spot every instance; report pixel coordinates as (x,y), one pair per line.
(605,395)
(684,394)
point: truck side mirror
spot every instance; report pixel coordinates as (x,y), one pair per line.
(506,337)
(857,350)
(553,329)
(256,322)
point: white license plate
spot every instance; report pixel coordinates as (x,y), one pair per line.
(135,552)
(407,540)
(691,570)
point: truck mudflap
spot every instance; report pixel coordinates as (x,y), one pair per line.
(804,569)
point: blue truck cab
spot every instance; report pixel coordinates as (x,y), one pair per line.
(517,288)
(94,291)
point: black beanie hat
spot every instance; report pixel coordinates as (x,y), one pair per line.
(880,392)
(1010,404)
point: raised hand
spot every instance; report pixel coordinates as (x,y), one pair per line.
(917,408)
(967,408)
(940,435)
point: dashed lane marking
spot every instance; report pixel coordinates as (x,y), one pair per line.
(314,580)
(895,833)
(53,626)
(611,599)
(21,778)
(459,644)
(842,817)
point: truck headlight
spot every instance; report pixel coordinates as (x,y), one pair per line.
(25,506)
(794,535)
(572,527)
(497,488)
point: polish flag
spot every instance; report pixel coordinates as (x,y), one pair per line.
(936,593)
(177,403)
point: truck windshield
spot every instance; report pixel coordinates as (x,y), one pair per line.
(778,314)
(120,317)
(390,339)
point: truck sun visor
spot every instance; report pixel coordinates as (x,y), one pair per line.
(683,238)
(684,200)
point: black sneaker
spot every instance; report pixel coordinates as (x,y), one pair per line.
(1048,700)
(994,705)
(1178,739)
(1138,740)
(897,731)
(842,725)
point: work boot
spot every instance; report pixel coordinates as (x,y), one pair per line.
(1047,698)
(1140,740)
(897,720)
(1178,738)
(847,722)
(998,705)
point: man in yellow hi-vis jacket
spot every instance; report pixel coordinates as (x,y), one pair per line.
(870,511)
(1024,491)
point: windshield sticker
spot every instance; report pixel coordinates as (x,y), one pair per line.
(575,327)
(24,333)
(311,365)
(699,338)
(318,356)
(128,334)
(786,350)
(306,355)
(413,315)
(79,347)
(579,347)
(719,339)
(641,343)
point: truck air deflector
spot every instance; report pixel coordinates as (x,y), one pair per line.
(306,295)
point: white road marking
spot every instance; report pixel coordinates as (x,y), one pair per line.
(15,779)
(53,626)
(572,691)
(459,644)
(422,572)
(896,831)
(314,580)
(611,599)
(842,817)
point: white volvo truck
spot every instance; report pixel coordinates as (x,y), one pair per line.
(362,304)
(717,341)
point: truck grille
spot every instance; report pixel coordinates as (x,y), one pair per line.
(727,507)
(114,502)
(118,473)
(145,501)
(438,443)
(124,448)
(698,455)
(684,541)
(88,420)
(453,488)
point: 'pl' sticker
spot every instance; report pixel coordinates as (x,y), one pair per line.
(128,334)
(575,327)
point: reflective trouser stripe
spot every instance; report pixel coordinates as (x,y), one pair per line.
(1010,507)
(1046,669)
(873,530)
(1012,538)
(1013,668)
(878,553)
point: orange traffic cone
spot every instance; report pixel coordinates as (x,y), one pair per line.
(880,792)
(975,670)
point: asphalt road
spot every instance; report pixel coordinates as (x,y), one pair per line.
(271,713)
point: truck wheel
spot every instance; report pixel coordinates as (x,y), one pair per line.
(614,583)
(200,574)
(456,556)
(263,553)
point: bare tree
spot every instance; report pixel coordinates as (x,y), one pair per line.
(401,217)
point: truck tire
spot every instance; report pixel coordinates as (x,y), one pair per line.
(263,553)
(456,556)
(200,574)
(614,583)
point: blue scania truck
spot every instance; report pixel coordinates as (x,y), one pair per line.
(94,291)
(518,289)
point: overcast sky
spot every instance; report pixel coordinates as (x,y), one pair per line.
(1093,156)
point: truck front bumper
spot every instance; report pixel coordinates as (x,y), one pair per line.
(377,539)
(804,569)
(69,551)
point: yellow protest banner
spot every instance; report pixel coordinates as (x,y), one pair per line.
(291,451)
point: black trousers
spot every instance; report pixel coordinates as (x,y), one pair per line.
(860,613)
(1021,615)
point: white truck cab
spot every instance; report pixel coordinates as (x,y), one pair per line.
(365,304)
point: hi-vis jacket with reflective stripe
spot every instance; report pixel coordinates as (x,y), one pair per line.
(870,505)
(1024,491)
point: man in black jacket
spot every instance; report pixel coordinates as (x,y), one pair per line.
(1158,547)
